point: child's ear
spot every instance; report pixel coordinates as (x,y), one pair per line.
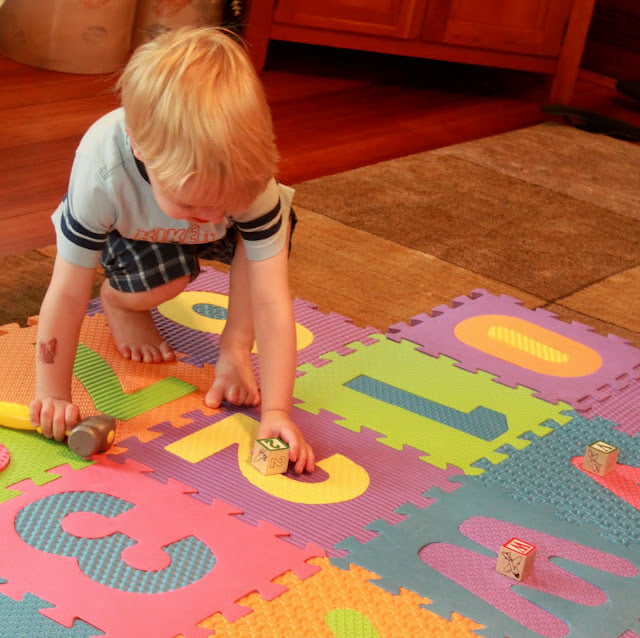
(134,147)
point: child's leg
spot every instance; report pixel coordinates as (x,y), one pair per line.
(132,326)
(140,276)
(235,381)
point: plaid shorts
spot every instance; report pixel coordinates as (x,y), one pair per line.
(132,265)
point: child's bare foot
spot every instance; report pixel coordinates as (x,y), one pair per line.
(135,334)
(234,382)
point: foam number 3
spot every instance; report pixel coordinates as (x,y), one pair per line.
(347,480)
(189,559)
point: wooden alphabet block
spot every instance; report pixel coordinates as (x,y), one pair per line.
(515,559)
(270,456)
(600,458)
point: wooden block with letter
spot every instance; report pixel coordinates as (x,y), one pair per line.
(600,458)
(515,559)
(270,456)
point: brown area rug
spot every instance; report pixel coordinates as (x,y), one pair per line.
(495,222)
(23,281)
(547,214)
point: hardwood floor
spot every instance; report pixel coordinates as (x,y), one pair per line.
(333,110)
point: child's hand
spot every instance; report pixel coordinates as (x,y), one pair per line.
(277,423)
(54,416)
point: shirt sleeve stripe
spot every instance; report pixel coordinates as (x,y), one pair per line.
(78,234)
(256,235)
(264,220)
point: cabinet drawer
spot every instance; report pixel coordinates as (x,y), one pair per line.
(389,18)
(531,27)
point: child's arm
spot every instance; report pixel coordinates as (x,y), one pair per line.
(274,325)
(63,309)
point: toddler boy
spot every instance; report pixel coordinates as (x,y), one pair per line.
(187,162)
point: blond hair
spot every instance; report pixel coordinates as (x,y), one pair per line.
(196,110)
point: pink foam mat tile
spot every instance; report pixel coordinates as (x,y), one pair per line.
(5,457)
(108,538)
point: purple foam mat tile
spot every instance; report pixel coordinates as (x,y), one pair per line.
(209,279)
(435,334)
(197,347)
(621,406)
(94,307)
(330,332)
(318,332)
(363,480)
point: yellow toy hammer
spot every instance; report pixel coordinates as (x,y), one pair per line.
(91,435)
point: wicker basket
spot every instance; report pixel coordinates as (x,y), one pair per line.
(74,36)
(156,16)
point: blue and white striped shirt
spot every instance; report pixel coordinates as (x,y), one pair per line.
(109,190)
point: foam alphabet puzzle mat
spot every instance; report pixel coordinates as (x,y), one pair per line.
(436,444)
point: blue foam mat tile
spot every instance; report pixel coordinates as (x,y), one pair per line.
(542,472)
(22,619)
(583,585)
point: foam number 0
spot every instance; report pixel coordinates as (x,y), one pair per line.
(207,312)
(347,480)
(528,345)
(190,559)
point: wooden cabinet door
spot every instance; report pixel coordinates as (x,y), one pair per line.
(390,18)
(534,27)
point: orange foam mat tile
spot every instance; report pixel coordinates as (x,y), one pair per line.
(17,378)
(336,603)
(135,376)
(17,362)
